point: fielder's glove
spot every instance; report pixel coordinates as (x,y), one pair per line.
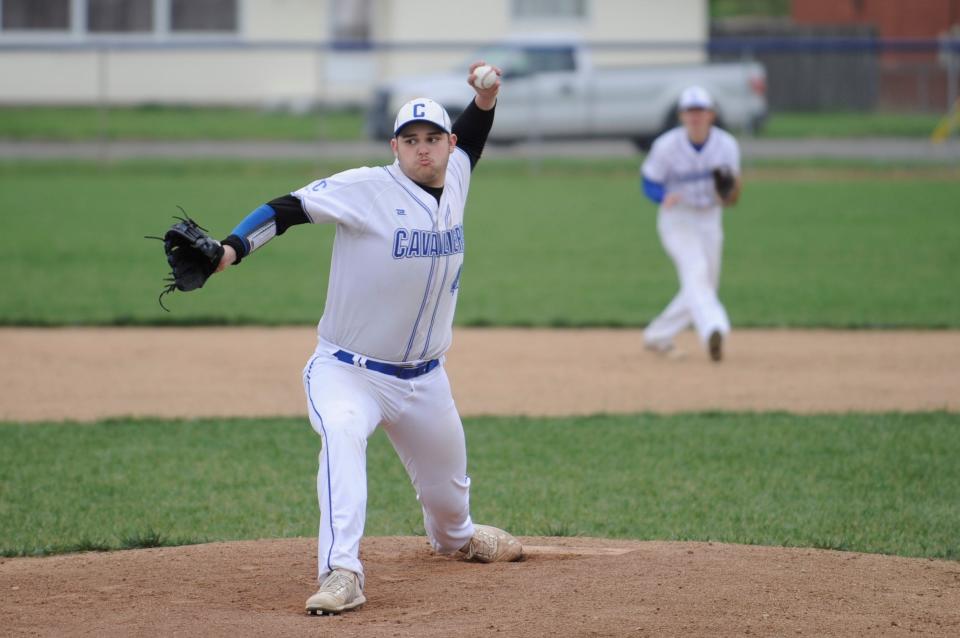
(192,254)
(724,181)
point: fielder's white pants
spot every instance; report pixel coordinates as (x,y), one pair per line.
(346,404)
(693,238)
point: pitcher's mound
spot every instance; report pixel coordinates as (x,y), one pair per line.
(564,587)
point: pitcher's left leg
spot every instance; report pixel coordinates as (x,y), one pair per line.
(428,436)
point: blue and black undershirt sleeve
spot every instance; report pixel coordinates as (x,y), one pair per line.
(265,223)
(472,128)
(276,216)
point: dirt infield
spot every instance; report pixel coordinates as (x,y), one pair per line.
(566,586)
(84,374)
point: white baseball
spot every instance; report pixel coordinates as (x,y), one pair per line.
(484,76)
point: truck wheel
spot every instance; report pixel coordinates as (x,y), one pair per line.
(644,142)
(671,121)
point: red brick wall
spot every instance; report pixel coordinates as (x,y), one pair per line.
(893,18)
(907,80)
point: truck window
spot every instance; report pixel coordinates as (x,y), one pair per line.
(546,59)
(509,58)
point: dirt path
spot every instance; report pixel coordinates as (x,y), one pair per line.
(566,587)
(85,374)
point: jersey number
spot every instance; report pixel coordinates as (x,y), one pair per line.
(456,280)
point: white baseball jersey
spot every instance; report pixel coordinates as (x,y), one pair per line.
(396,261)
(675,163)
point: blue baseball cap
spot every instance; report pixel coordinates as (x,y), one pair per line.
(422,109)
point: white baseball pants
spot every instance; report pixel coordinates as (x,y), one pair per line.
(694,241)
(346,405)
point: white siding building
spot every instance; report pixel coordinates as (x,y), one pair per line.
(299,52)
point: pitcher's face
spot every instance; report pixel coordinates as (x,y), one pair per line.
(423,151)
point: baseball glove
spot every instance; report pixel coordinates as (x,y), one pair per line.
(192,254)
(723,181)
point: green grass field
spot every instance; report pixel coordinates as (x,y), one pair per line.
(566,244)
(850,125)
(193,123)
(557,243)
(173,123)
(878,483)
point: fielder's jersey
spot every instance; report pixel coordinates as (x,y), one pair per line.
(396,262)
(674,162)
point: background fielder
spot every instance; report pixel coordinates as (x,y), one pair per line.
(678,175)
(394,279)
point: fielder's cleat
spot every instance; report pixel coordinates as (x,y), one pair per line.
(715,345)
(492,545)
(660,347)
(339,592)
(665,349)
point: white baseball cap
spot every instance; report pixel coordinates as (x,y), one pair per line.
(695,97)
(422,109)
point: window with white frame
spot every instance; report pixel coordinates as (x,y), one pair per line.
(203,15)
(352,21)
(119,16)
(549,9)
(135,17)
(35,15)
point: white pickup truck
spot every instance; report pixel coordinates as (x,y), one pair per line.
(552,91)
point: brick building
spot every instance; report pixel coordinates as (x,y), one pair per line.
(911,75)
(891,18)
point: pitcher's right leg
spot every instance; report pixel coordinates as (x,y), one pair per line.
(344,413)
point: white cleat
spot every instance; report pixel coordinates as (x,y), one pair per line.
(492,545)
(339,592)
(666,350)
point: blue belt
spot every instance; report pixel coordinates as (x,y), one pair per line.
(401,372)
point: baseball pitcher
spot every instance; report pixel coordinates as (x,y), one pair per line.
(394,278)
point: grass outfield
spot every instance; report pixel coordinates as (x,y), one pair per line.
(871,483)
(175,123)
(850,124)
(569,244)
(217,123)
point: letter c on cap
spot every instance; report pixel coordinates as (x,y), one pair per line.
(418,109)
